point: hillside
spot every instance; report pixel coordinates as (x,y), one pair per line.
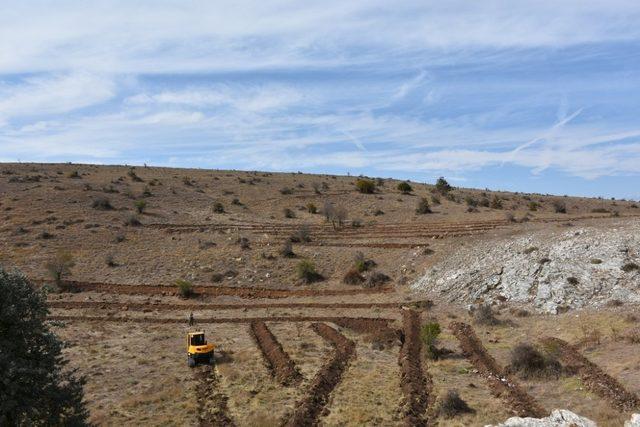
(349,330)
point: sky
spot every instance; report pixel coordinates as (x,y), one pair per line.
(533,96)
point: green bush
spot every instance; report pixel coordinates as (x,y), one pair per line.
(442,186)
(423,206)
(307,271)
(365,186)
(59,266)
(405,188)
(140,205)
(533,206)
(185,288)
(429,334)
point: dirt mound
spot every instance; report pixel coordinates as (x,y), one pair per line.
(594,378)
(329,375)
(212,403)
(278,361)
(501,384)
(415,386)
(377,331)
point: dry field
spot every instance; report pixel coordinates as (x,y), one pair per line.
(291,352)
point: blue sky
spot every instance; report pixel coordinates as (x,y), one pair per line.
(537,96)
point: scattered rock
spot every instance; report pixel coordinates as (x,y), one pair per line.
(558,418)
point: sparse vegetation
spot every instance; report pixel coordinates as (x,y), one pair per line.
(140,206)
(429,334)
(405,188)
(559,207)
(132,221)
(60,266)
(287,250)
(423,206)
(451,405)
(185,288)
(528,362)
(353,277)
(102,204)
(442,186)
(484,315)
(366,186)
(312,209)
(496,202)
(218,207)
(288,213)
(630,266)
(307,271)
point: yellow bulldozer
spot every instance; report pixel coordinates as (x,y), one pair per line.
(198,350)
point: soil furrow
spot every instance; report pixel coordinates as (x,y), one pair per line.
(328,377)
(212,403)
(416,387)
(208,320)
(212,290)
(593,377)
(278,361)
(501,384)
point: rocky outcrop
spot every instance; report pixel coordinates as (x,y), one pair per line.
(633,422)
(551,271)
(558,418)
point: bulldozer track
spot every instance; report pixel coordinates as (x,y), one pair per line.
(212,403)
(126,306)
(246,292)
(593,377)
(278,361)
(317,395)
(501,384)
(156,320)
(416,387)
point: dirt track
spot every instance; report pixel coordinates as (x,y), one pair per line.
(211,290)
(212,403)
(415,386)
(501,384)
(329,375)
(278,361)
(211,320)
(594,378)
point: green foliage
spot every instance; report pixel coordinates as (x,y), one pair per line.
(140,205)
(59,266)
(429,334)
(307,271)
(185,288)
(442,186)
(423,206)
(405,187)
(365,186)
(533,206)
(36,388)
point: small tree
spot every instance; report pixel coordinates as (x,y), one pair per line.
(442,186)
(423,206)
(404,187)
(365,186)
(140,205)
(429,334)
(59,266)
(37,389)
(185,288)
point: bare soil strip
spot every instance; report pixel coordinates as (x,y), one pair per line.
(209,320)
(594,378)
(117,288)
(415,386)
(328,377)
(501,385)
(212,403)
(278,361)
(131,306)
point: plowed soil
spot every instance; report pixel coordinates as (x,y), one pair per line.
(206,320)
(212,403)
(329,375)
(594,378)
(501,384)
(278,361)
(416,387)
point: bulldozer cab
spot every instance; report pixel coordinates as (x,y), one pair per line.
(196,338)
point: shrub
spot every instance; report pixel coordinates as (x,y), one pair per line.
(533,206)
(528,362)
(288,213)
(287,250)
(509,216)
(110,260)
(423,206)
(185,288)
(59,266)
(146,192)
(429,334)
(236,202)
(187,181)
(302,235)
(218,207)
(484,315)
(312,209)
(316,187)
(376,279)
(484,202)
(630,266)
(132,221)
(353,277)
(470,201)
(356,223)
(559,207)
(74,174)
(362,264)
(365,186)
(496,202)
(451,404)
(102,203)
(307,271)
(286,190)
(442,186)
(595,261)
(530,249)
(572,280)
(435,200)
(140,206)
(404,187)
(133,176)
(244,243)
